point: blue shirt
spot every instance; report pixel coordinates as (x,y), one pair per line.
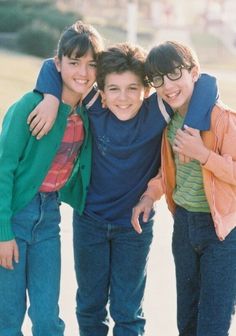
(126,154)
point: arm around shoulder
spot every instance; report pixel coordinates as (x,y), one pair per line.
(49,83)
(155,188)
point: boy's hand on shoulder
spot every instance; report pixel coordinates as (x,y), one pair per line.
(144,207)
(42,118)
(188,142)
(184,159)
(8,253)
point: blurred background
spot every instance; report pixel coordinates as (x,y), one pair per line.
(29,30)
(207,24)
(32,27)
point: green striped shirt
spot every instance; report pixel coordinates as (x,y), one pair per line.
(189,191)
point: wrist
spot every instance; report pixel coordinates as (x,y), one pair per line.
(146,197)
(204,156)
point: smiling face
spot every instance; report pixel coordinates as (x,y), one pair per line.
(123,94)
(173,68)
(178,93)
(78,75)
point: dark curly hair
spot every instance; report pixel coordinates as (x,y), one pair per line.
(120,58)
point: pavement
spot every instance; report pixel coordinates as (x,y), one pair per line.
(160,298)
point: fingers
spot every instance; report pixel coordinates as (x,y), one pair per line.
(184,159)
(44,131)
(177,143)
(16,253)
(143,207)
(146,213)
(191,131)
(6,261)
(176,149)
(180,132)
(42,118)
(135,220)
(8,252)
(35,121)
(181,158)
(180,140)
(31,116)
(38,128)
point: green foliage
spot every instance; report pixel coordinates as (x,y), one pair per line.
(55,18)
(15,15)
(25,17)
(38,39)
(12,18)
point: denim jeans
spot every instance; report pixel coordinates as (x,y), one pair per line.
(205,275)
(110,265)
(36,229)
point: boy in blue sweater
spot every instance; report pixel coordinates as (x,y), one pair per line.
(110,257)
(31,174)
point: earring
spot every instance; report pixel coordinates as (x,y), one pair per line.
(104,105)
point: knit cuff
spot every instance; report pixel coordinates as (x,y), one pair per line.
(6,232)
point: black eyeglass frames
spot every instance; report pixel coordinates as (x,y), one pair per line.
(158,79)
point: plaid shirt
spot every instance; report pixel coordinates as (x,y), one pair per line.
(63,162)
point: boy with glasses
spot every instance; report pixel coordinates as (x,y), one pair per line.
(176,73)
(200,193)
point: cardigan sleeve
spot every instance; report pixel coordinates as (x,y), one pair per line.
(13,139)
(222,161)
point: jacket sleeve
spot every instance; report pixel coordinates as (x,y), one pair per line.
(222,162)
(203,99)
(13,139)
(155,188)
(49,79)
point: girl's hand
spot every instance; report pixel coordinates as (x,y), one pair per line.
(8,253)
(42,118)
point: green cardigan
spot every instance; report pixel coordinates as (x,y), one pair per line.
(25,161)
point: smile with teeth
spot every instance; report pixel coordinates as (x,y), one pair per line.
(81,81)
(123,107)
(173,95)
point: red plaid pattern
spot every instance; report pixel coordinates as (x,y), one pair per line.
(64,160)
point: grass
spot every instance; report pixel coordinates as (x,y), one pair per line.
(19,73)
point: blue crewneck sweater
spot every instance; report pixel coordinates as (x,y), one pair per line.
(126,155)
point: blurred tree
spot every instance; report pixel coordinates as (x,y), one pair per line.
(24,17)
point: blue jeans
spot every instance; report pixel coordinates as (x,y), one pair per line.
(110,265)
(36,229)
(205,275)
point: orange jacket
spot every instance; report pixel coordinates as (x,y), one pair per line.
(219,172)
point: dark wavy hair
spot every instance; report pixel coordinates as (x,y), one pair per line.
(120,58)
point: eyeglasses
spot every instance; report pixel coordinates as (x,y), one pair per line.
(158,80)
